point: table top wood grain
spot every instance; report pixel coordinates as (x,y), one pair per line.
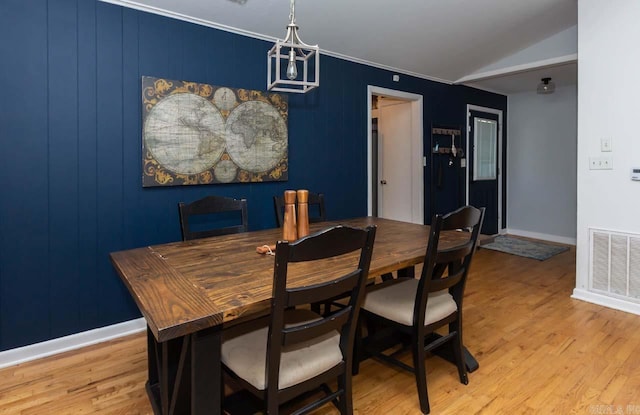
(184,287)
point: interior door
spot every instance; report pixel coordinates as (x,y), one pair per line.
(394,167)
(483,167)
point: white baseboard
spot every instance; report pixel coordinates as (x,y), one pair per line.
(606,301)
(542,236)
(74,341)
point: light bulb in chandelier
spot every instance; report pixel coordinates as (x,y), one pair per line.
(292,69)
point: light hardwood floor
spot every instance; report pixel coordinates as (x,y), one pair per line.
(540,352)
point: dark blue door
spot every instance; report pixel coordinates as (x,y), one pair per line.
(483,166)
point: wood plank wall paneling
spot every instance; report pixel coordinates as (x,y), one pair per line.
(132,118)
(70,169)
(87,192)
(24,164)
(111,144)
(63,157)
(540,352)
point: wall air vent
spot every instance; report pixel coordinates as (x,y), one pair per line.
(615,264)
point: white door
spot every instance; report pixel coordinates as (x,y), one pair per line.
(394,161)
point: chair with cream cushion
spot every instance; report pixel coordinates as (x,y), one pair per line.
(417,307)
(297,350)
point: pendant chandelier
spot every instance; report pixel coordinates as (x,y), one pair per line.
(293,66)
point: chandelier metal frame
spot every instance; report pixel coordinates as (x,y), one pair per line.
(292,50)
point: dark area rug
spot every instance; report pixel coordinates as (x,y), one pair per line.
(528,249)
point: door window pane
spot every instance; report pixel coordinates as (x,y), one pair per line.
(485,152)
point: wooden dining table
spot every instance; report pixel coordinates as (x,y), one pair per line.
(188,292)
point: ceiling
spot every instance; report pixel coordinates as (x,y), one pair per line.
(562,75)
(435,39)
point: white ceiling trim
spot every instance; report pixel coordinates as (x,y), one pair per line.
(484,88)
(190,19)
(201,22)
(511,70)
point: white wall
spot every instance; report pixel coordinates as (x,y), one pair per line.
(541,158)
(608,106)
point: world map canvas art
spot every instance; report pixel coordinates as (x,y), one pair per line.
(195,133)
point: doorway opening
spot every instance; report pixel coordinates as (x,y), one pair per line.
(395,158)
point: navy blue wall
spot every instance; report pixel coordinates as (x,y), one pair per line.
(70,161)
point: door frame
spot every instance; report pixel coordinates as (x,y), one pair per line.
(497,112)
(417,153)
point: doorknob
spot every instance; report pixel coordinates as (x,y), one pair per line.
(383,182)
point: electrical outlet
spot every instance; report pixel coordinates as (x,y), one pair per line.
(600,163)
(605,144)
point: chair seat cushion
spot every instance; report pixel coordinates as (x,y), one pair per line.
(396,301)
(245,354)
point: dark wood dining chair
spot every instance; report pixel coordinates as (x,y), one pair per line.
(213,216)
(317,211)
(296,350)
(416,308)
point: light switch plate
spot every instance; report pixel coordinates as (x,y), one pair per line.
(605,144)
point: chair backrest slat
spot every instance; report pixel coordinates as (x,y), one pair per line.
(228,230)
(320,247)
(316,199)
(300,333)
(439,284)
(462,218)
(212,206)
(457,253)
(322,291)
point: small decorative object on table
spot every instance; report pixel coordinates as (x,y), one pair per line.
(292,229)
(303,213)
(266,249)
(289,228)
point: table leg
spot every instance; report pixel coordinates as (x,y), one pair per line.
(445,353)
(168,384)
(409,272)
(206,372)
(469,360)
(185,374)
(152,358)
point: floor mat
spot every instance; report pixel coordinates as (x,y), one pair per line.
(525,248)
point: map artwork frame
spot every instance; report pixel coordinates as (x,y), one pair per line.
(194,133)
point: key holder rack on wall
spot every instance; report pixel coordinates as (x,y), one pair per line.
(447,168)
(439,143)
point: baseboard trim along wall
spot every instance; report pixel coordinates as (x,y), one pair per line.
(74,341)
(606,301)
(542,236)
